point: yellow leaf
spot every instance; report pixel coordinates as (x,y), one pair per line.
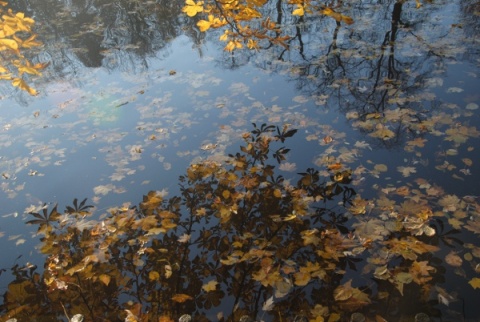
(232,45)
(203,25)
(8,43)
(29,42)
(475,282)
(168,224)
(277,193)
(226,194)
(252,44)
(210,286)
(290,217)
(168,271)
(248,14)
(382,132)
(28,69)
(343,292)
(468,162)
(299,11)
(302,278)
(153,275)
(180,298)
(6,76)
(334,317)
(457,224)
(403,277)
(20,83)
(105,279)
(192,8)
(224,37)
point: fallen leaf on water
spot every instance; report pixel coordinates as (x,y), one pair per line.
(453,259)
(180,298)
(268,305)
(406,171)
(184,238)
(210,286)
(454,90)
(471,106)
(209,146)
(475,282)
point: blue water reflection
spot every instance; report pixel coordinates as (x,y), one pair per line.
(127,105)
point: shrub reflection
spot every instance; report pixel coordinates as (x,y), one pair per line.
(238,241)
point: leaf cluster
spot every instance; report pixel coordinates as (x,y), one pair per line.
(239,240)
(248,23)
(16,36)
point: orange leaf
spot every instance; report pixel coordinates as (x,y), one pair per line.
(335,166)
(337,16)
(180,298)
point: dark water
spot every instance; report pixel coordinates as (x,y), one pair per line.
(134,93)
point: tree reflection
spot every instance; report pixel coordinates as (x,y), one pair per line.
(380,71)
(114,35)
(362,71)
(239,241)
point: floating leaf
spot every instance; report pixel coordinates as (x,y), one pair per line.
(343,292)
(468,162)
(372,228)
(153,275)
(210,286)
(180,298)
(471,106)
(453,259)
(349,298)
(268,305)
(403,277)
(421,271)
(454,90)
(380,167)
(105,279)
(475,282)
(406,171)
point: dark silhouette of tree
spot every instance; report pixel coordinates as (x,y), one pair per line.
(239,240)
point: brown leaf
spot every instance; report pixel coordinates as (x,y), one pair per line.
(453,259)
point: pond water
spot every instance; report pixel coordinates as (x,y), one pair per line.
(134,94)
